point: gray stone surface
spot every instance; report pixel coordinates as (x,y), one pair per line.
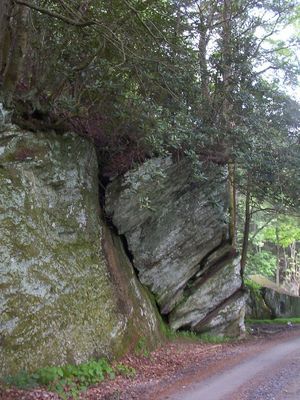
(228,319)
(176,227)
(207,296)
(60,300)
(281,304)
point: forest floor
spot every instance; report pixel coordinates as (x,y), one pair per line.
(174,366)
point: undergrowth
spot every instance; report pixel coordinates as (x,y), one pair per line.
(69,381)
(203,337)
(141,348)
(277,321)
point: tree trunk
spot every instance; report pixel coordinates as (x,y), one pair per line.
(227,110)
(6,7)
(16,54)
(203,69)
(246,230)
(227,64)
(278,257)
(232,203)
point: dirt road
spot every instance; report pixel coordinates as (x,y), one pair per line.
(271,374)
(265,366)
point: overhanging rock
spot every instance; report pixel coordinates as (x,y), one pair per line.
(177,232)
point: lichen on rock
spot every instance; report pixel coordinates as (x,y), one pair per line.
(176,227)
(58,300)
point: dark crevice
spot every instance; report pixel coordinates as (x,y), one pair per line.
(238,293)
(164,317)
(195,281)
(123,239)
(103,183)
(127,250)
(214,250)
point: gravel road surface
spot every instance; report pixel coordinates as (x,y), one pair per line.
(272,374)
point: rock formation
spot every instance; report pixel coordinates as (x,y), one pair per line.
(67,290)
(176,229)
(268,300)
(281,305)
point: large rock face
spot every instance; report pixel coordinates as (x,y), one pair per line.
(177,232)
(63,298)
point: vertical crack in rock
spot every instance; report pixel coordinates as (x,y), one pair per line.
(176,228)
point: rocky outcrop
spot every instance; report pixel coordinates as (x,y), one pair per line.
(256,307)
(176,229)
(281,305)
(268,300)
(67,290)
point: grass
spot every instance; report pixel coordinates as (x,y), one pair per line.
(277,321)
(252,285)
(188,335)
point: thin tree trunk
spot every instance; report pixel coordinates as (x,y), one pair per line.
(16,54)
(278,257)
(6,7)
(203,69)
(226,112)
(227,64)
(232,203)
(246,229)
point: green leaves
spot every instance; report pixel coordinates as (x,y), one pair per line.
(69,380)
(263,263)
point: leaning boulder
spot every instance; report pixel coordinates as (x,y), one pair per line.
(67,290)
(176,228)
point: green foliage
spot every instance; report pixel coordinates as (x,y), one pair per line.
(288,231)
(274,246)
(279,321)
(166,94)
(252,285)
(125,370)
(22,380)
(216,339)
(141,348)
(69,380)
(189,335)
(262,262)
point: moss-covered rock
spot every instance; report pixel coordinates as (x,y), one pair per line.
(61,301)
(281,305)
(268,300)
(256,307)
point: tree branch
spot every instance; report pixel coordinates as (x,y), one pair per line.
(53,14)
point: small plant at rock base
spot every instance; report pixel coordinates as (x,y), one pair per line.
(214,339)
(22,380)
(141,347)
(125,370)
(68,381)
